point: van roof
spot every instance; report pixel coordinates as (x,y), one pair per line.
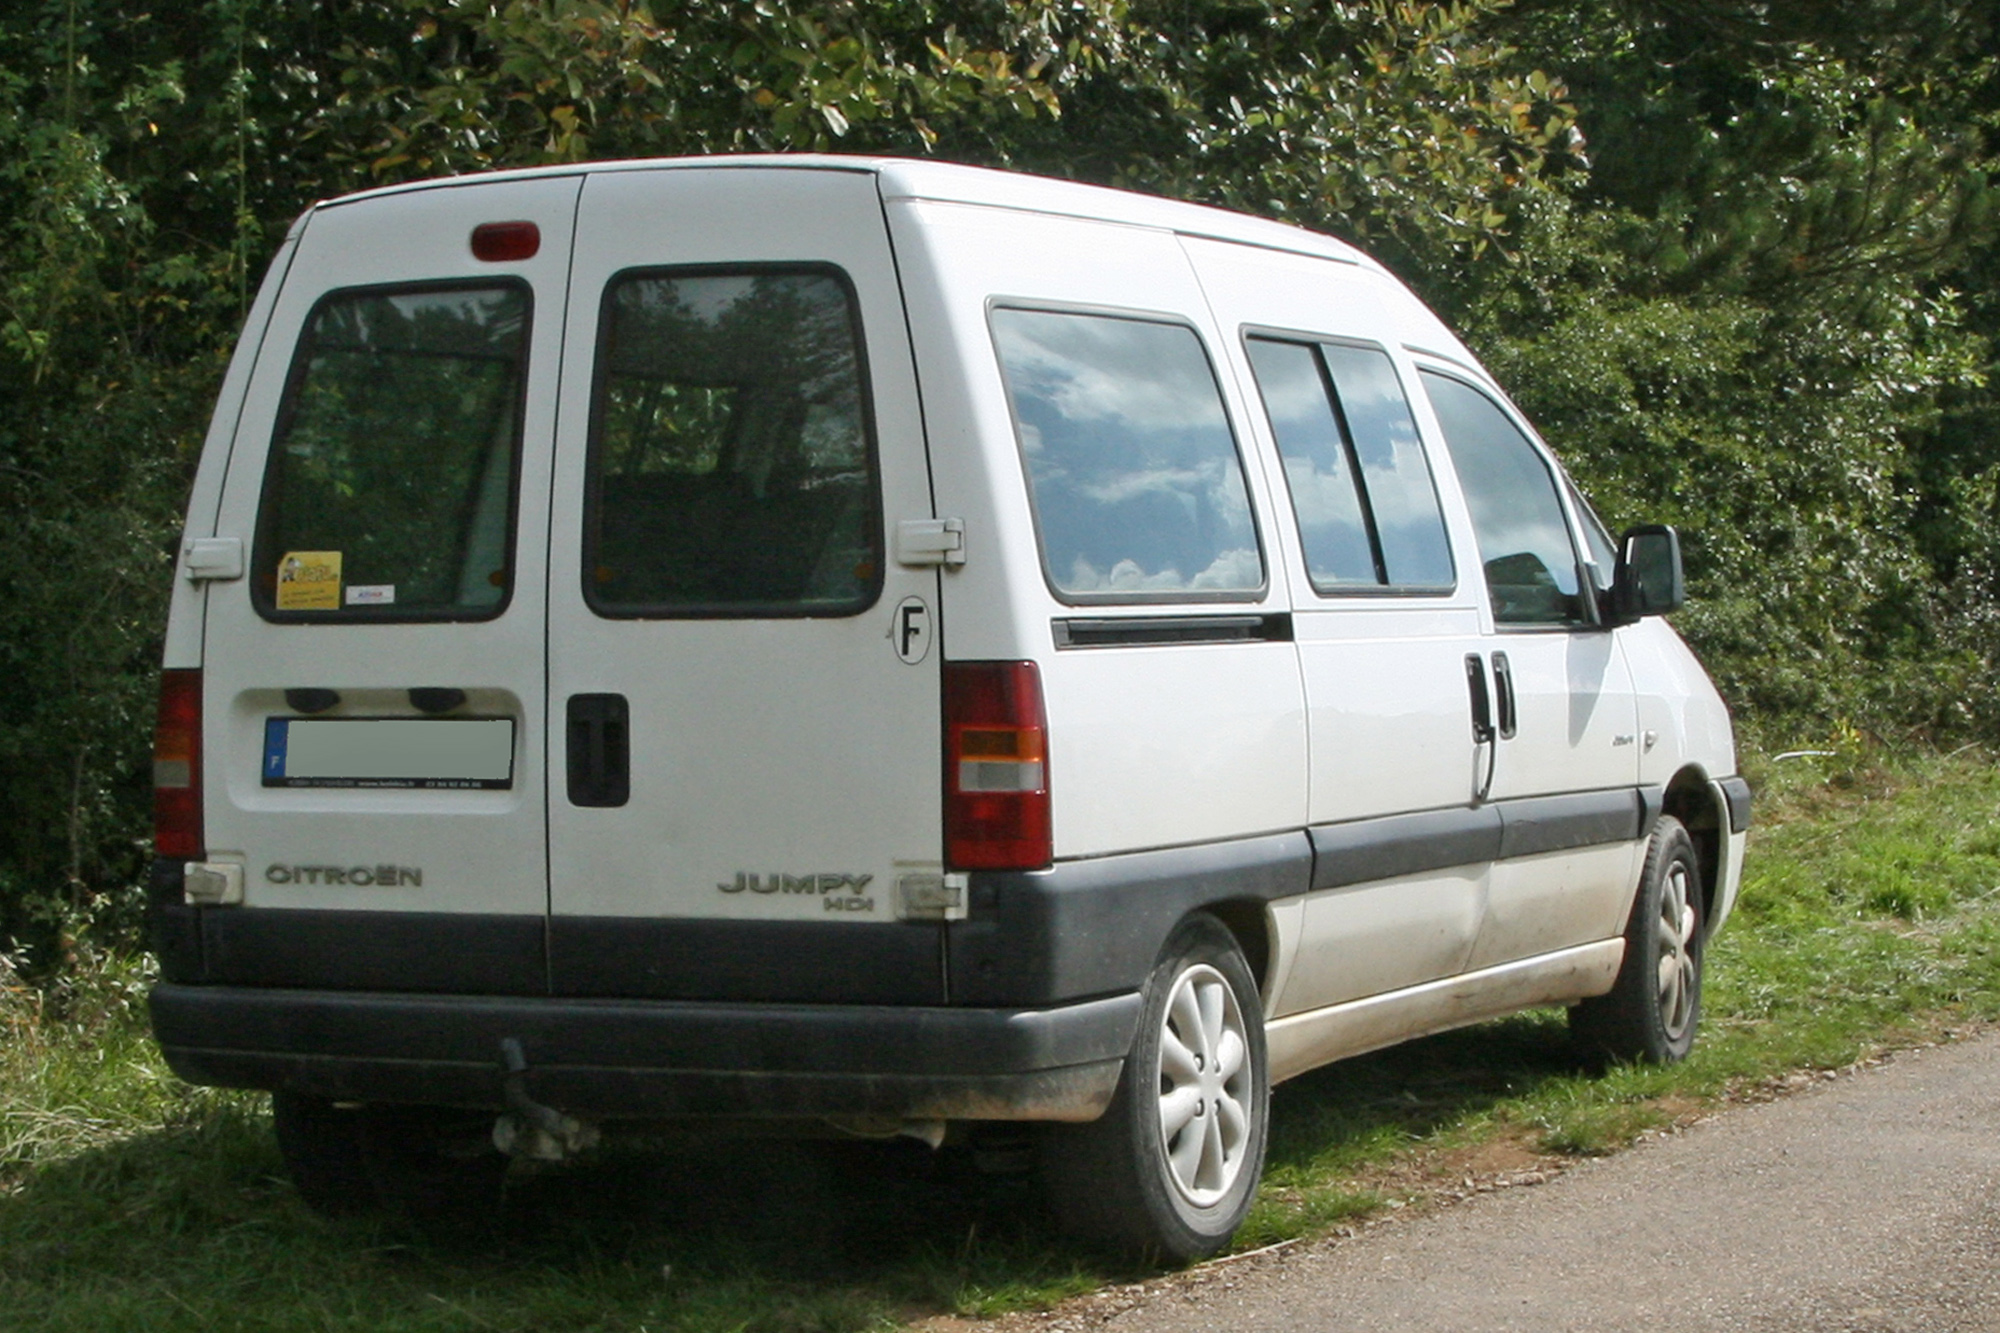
(946,182)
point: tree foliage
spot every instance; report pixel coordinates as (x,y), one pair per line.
(1737,257)
(1756,319)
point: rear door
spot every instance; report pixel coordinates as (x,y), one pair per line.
(374,686)
(744,689)
(1384,623)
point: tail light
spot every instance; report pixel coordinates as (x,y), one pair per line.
(177,767)
(996,767)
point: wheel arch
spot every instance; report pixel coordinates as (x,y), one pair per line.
(1690,798)
(1249,920)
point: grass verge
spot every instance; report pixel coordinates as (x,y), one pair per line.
(1870,919)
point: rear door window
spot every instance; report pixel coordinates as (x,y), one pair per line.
(390,489)
(1137,487)
(1361,486)
(732,464)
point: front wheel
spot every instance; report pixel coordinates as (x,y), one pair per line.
(1170,1169)
(1650,1013)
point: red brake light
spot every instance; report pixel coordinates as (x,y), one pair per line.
(177,768)
(500,242)
(996,767)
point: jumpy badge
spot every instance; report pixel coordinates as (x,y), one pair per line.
(309,581)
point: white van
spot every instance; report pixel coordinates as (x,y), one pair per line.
(900,647)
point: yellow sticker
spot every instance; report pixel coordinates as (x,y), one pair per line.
(309,581)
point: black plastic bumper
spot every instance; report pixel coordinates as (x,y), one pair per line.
(615,1059)
(1737,792)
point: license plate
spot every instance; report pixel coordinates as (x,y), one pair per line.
(431,753)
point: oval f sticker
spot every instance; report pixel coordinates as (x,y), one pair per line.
(910,630)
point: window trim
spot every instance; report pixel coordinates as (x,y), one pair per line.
(1346,591)
(264,600)
(1584,517)
(1586,593)
(1067,597)
(593,482)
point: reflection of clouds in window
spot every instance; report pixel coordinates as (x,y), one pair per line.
(1317,473)
(1230,570)
(1330,525)
(711,299)
(1373,400)
(1524,538)
(1092,369)
(1183,484)
(1395,482)
(1295,399)
(1241,568)
(1136,481)
(1396,473)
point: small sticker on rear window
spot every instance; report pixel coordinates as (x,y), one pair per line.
(309,581)
(372,594)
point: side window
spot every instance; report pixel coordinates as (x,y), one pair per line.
(1137,487)
(1319,466)
(1361,487)
(1524,542)
(389,494)
(732,469)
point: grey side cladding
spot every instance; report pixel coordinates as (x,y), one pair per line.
(1539,824)
(1370,849)
(1093,927)
(1083,928)
(1366,850)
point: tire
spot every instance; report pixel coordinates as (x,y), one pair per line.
(1168,1172)
(435,1167)
(321,1144)
(1651,1012)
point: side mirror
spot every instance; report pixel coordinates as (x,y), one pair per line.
(1648,579)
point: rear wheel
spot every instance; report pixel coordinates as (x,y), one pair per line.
(1170,1169)
(436,1166)
(321,1144)
(1651,1011)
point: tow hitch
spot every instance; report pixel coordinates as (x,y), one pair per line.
(528,1128)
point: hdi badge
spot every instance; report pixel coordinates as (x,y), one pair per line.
(309,581)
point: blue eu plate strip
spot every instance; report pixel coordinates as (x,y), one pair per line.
(276,730)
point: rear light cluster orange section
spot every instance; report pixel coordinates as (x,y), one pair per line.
(177,832)
(996,767)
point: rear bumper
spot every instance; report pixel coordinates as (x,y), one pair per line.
(614,1059)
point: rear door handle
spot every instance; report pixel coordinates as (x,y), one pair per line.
(600,750)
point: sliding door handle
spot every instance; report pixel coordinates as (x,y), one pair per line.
(1482,702)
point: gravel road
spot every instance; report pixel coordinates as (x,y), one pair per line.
(1867,1204)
